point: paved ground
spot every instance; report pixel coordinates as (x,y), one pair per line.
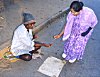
(88,67)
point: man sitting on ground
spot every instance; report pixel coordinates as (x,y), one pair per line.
(23,44)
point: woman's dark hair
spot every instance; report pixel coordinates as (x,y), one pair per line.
(76,6)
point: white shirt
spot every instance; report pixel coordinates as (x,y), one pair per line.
(22,41)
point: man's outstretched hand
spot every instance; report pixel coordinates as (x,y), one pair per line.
(47,45)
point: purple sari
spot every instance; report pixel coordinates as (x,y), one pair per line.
(75,43)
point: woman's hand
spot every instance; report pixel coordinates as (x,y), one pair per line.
(57,36)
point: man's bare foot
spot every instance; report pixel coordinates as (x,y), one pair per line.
(47,45)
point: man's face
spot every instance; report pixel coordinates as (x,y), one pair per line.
(74,13)
(31,25)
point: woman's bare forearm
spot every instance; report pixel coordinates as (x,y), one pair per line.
(61,33)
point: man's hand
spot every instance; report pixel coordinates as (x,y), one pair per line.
(47,45)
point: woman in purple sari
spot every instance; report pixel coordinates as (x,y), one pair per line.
(80,24)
